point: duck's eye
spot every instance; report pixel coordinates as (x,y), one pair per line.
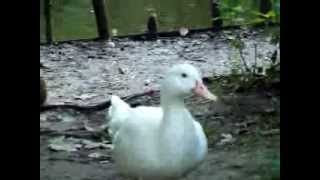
(184,75)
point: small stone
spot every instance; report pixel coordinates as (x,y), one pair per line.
(111,44)
(121,70)
(95,155)
(104,162)
(183,31)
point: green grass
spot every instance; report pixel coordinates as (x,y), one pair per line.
(72,20)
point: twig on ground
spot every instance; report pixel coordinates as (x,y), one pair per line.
(98,107)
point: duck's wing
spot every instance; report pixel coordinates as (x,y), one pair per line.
(202,139)
(141,124)
(118,114)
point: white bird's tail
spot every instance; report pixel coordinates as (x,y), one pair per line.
(118,113)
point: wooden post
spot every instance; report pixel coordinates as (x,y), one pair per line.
(101,18)
(265,6)
(47,14)
(152,28)
(215,14)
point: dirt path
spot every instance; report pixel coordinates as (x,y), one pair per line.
(90,71)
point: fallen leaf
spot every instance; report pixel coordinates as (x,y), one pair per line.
(271,132)
(85,96)
(95,155)
(93,145)
(104,162)
(100,156)
(59,144)
(226,138)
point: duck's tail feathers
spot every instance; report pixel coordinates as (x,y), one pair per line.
(117,114)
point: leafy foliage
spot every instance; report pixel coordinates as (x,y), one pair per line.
(246,12)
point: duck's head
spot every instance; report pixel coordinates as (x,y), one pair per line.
(183,80)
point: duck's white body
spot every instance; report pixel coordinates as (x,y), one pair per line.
(156,142)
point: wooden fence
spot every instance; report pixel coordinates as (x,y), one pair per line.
(99,8)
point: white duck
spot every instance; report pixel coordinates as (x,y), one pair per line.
(160,142)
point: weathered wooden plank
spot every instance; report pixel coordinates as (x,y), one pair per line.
(101,18)
(47,14)
(217,22)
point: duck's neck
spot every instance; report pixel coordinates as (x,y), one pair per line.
(175,113)
(176,130)
(172,102)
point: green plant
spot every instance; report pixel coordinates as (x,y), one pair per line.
(246,12)
(245,77)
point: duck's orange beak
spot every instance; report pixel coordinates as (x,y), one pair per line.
(201,90)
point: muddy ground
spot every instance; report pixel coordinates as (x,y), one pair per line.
(242,128)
